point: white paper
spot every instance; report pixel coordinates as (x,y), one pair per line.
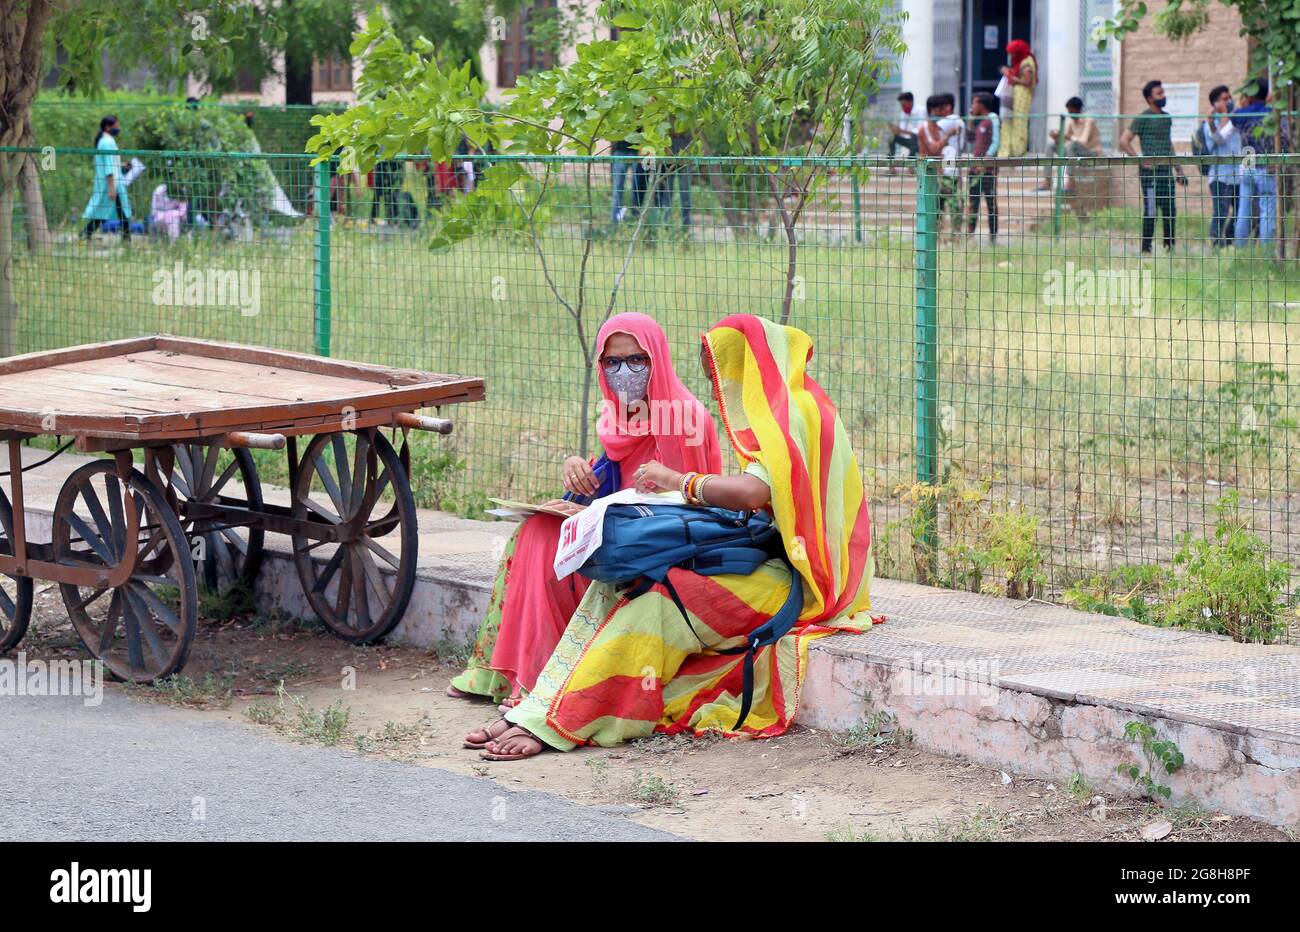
(134,171)
(1183,101)
(581,535)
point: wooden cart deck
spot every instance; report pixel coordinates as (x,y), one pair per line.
(128,542)
(158,389)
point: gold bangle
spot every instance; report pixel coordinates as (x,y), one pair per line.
(699,491)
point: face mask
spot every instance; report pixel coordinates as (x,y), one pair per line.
(1159,102)
(628,385)
(115,130)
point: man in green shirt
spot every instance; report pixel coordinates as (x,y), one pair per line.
(1152,129)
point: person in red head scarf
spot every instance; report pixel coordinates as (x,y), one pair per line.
(1022,75)
(647,414)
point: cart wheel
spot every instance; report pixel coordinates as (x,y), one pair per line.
(361,591)
(15,591)
(231,555)
(142,629)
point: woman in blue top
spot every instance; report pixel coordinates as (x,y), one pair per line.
(108,199)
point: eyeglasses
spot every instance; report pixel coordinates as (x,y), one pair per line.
(635,363)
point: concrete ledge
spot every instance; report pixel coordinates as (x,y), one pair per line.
(1028,732)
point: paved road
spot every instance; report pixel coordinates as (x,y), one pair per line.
(128,771)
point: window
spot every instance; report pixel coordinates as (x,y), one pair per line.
(521,52)
(247,82)
(332,73)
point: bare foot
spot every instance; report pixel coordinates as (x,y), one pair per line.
(482,737)
(515,744)
(457,693)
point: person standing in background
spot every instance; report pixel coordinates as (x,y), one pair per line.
(936,141)
(1257,187)
(983,178)
(1152,129)
(108,198)
(1022,75)
(619,169)
(1219,137)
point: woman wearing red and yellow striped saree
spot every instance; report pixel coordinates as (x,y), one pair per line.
(628,667)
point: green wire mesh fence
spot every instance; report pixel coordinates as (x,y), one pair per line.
(1033,396)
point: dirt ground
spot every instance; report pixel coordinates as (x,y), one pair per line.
(286,681)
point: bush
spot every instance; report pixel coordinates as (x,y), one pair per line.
(1226,584)
(1229,584)
(1126,591)
(209,185)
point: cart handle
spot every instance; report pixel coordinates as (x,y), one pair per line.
(439,425)
(240,438)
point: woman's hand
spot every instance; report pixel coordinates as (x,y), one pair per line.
(656,477)
(579,478)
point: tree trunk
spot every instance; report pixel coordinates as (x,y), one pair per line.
(297,73)
(29,188)
(22,37)
(8,302)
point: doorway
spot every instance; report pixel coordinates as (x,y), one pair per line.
(990,25)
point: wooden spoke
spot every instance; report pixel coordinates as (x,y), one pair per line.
(328,572)
(389,558)
(220,483)
(110,623)
(144,621)
(88,537)
(360,472)
(113,492)
(320,510)
(95,594)
(331,487)
(97,515)
(339,445)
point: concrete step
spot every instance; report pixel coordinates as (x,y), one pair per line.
(1032,688)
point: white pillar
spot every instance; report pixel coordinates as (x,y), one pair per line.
(1058,59)
(918,62)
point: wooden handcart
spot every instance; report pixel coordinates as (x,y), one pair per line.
(130,543)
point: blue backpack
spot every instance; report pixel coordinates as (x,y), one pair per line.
(641,543)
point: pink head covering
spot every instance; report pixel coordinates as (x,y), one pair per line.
(679,431)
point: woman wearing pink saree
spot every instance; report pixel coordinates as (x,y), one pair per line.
(647,414)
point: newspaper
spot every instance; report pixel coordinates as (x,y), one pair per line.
(521,510)
(581,535)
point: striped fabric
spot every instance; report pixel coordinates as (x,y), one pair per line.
(625,669)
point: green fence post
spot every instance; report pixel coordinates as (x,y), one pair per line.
(321,252)
(927,355)
(857,209)
(1060,176)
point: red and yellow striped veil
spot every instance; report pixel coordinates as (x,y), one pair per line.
(777,416)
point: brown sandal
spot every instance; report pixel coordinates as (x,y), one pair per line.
(487,730)
(515,731)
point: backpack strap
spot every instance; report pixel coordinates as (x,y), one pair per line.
(764,635)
